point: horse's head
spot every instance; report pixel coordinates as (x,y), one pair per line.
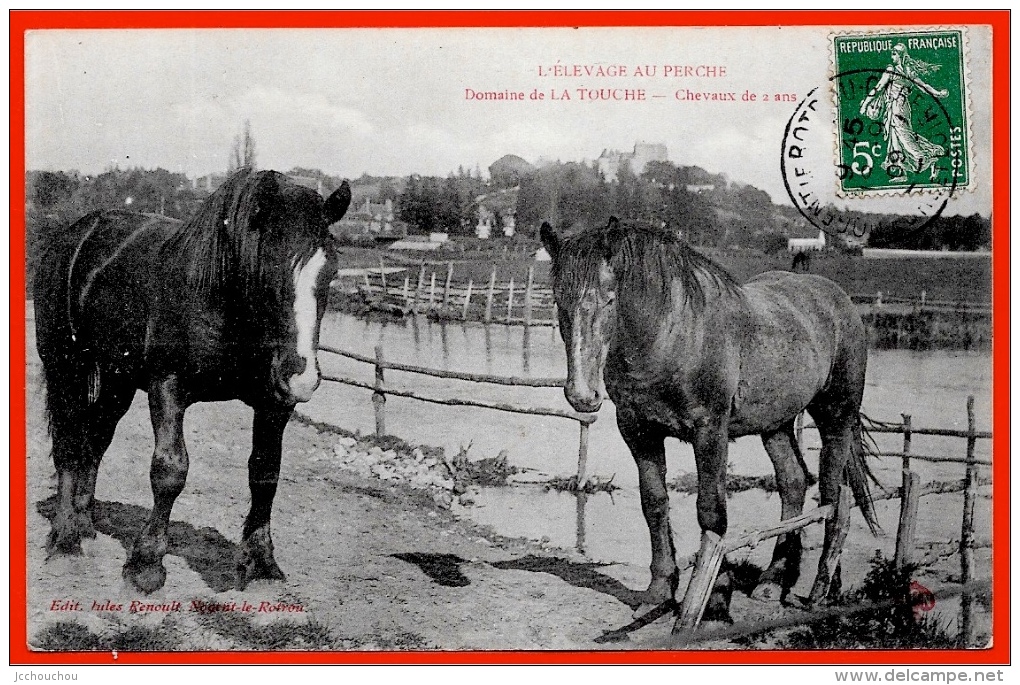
(287,270)
(584,288)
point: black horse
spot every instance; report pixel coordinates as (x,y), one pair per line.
(225,306)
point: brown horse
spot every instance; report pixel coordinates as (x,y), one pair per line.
(686,352)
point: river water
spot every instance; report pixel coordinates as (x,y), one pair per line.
(931,386)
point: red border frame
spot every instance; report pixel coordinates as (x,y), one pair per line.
(22,21)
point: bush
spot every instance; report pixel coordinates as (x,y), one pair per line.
(891,624)
(773,243)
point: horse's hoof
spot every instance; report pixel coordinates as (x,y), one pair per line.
(256,569)
(85,527)
(796,602)
(767,592)
(646,608)
(717,611)
(63,543)
(145,577)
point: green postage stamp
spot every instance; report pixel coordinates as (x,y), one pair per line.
(902,111)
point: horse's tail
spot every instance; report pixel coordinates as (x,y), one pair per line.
(860,475)
(72,380)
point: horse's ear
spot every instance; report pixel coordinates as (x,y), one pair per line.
(611,237)
(550,240)
(337,203)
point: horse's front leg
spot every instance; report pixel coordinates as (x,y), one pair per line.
(257,561)
(645,441)
(169,470)
(710,452)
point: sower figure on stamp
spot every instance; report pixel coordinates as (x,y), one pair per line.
(889,102)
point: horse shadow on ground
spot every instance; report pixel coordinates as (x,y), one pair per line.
(585,575)
(205,550)
(443,569)
(579,574)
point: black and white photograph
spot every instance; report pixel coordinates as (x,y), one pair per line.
(534,340)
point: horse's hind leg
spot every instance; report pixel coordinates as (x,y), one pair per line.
(169,470)
(81,436)
(645,441)
(782,574)
(837,443)
(257,560)
(68,445)
(104,415)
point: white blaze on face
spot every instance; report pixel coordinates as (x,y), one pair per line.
(302,385)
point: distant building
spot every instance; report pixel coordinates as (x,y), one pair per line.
(420,243)
(795,245)
(209,183)
(307,181)
(370,217)
(610,161)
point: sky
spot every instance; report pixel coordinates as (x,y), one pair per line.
(395,101)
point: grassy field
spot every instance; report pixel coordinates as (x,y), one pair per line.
(953,280)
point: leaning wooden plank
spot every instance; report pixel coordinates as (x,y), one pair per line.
(706,569)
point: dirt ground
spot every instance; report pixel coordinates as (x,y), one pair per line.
(370,566)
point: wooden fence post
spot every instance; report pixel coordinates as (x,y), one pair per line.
(407,288)
(421,283)
(582,501)
(908,519)
(368,284)
(582,456)
(555,317)
(510,299)
(967,534)
(432,290)
(446,289)
(379,397)
(906,446)
(909,493)
(492,291)
(467,300)
(798,431)
(382,275)
(527,295)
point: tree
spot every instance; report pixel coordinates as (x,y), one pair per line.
(243,154)
(773,243)
(50,189)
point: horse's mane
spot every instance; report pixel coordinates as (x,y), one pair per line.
(221,244)
(645,260)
